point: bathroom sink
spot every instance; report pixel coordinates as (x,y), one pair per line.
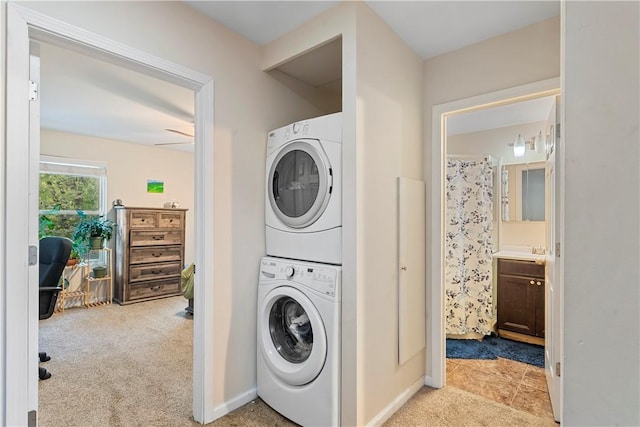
(528,256)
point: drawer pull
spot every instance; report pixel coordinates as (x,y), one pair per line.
(157,237)
(156,271)
(155,288)
(156,255)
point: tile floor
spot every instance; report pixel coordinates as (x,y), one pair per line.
(505,381)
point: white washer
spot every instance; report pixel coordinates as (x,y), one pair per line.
(303,212)
(298,360)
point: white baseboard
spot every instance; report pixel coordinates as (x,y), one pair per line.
(230,405)
(397,403)
(428,381)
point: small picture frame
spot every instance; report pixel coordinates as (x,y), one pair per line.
(155,186)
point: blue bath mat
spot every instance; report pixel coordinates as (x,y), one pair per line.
(492,347)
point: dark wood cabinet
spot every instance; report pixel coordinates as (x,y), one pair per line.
(149,253)
(521,297)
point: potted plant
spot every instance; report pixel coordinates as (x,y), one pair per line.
(93,231)
(77,249)
(99,271)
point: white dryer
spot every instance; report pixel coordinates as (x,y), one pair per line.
(298,360)
(303,212)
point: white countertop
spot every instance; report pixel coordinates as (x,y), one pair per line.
(527,256)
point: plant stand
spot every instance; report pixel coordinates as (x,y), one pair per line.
(105,255)
(67,275)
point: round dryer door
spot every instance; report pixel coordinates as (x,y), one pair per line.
(293,336)
(300,183)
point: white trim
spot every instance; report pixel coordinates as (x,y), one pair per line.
(69,161)
(203,331)
(233,404)
(51,30)
(397,403)
(435,356)
(3,279)
(24,25)
(16,235)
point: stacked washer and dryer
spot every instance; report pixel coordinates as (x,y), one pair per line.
(299,290)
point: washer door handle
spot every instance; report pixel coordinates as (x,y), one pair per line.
(276,192)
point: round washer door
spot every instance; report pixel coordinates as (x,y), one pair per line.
(299,183)
(293,337)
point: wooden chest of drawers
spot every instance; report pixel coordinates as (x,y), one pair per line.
(149,253)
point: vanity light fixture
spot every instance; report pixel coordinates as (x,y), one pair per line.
(540,143)
(518,146)
(537,143)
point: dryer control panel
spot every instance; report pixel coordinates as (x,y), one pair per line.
(322,278)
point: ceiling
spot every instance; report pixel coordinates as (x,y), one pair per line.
(429,27)
(87,96)
(533,110)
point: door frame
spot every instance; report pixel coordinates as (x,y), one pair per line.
(436,349)
(23,26)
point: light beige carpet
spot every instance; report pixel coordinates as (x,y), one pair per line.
(131,366)
(118,366)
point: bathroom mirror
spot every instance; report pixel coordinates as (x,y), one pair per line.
(525,193)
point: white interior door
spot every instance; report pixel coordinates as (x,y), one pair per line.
(34,202)
(553,301)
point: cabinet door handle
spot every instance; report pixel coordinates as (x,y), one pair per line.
(539,283)
(531,282)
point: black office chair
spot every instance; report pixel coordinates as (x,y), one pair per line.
(54,254)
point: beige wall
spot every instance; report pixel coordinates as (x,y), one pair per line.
(601,79)
(495,142)
(248,103)
(498,63)
(381,141)
(389,141)
(128,168)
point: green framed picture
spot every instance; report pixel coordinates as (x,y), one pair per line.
(155,186)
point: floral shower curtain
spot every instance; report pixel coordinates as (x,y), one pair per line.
(469,243)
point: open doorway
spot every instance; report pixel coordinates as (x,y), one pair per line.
(22,156)
(102,138)
(496,218)
(436,335)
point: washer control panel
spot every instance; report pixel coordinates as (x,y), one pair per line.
(319,277)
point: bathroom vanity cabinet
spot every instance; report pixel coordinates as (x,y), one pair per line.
(521,298)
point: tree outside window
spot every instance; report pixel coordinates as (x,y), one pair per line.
(67,186)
